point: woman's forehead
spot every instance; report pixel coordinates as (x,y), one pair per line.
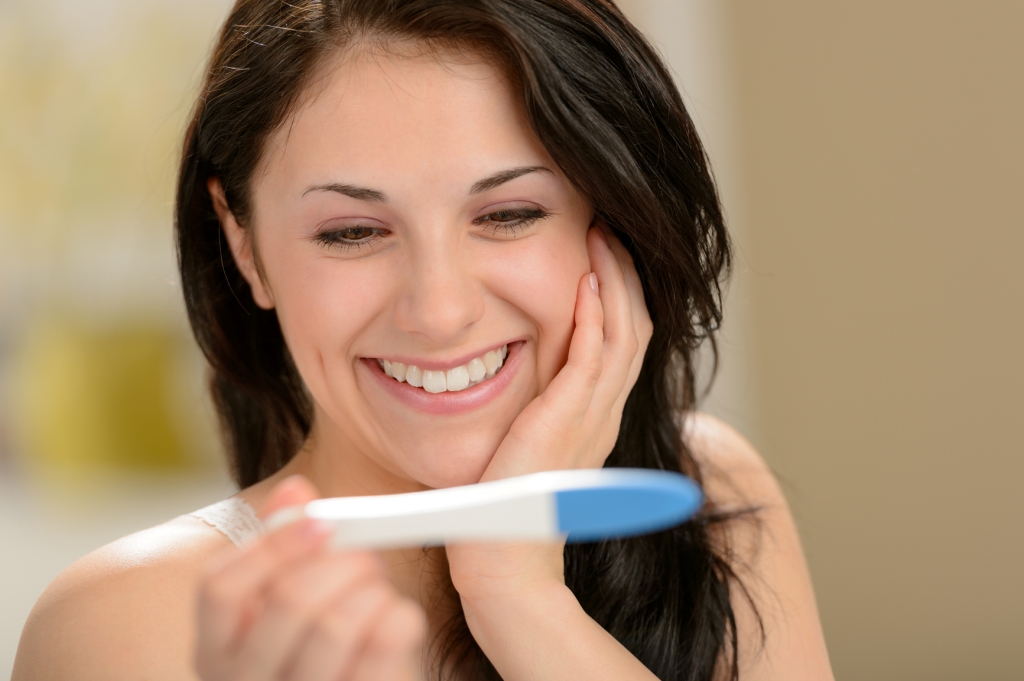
(385,113)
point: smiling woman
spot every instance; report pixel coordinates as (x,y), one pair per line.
(427,244)
(413,178)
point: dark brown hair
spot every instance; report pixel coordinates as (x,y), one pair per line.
(605,107)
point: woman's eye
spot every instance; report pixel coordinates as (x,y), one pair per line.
(349,237)
(356,233)
(511,221)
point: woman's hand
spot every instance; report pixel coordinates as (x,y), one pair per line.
(574,423)
(287,607)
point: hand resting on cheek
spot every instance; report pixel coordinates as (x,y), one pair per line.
(574,423)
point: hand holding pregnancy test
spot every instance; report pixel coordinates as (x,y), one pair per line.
(582,505)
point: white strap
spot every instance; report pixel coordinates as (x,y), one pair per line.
(233,517)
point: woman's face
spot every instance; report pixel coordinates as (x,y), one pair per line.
(408,216)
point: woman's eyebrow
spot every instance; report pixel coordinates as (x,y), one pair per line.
(358,193)
(364,194)
(504,176)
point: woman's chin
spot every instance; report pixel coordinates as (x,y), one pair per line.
(449,462)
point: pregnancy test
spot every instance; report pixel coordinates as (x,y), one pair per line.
(580,505)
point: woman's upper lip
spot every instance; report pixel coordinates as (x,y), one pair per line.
(444,365)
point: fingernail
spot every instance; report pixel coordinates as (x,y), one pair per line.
(283,517)
(313,529)
(593,282)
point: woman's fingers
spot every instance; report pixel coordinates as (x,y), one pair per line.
(642,324)
(620,332)
(627,329)
(334,644)
(295,490)
(570,392)
(321,620)
(619,328)
(229,597)
(585,348)
(284,607)
(393,648)
(536,432)
(297,599)
(575,421)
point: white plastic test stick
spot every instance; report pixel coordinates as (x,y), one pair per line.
(582,505)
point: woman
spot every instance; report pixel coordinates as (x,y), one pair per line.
(429,243)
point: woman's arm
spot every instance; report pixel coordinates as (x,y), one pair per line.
(516,603)
(283,607)
(562,640)
(125,611)
(532,627)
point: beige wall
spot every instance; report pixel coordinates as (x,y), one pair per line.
(873,157)
(883,166)
(693,37)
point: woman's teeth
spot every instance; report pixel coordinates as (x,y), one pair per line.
(478,370)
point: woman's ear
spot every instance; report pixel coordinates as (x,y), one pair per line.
(241,245)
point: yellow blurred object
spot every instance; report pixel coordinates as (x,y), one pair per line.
(92,400)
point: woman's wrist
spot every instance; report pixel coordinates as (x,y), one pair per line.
(493,616)
(502,572)
(542,633)
(520,593)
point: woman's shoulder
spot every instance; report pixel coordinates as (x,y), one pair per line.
(776,616)
(124,610)
(734,472)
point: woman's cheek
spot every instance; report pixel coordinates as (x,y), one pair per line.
(322,310)
(541,281)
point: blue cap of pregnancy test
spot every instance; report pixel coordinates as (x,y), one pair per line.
(626,503)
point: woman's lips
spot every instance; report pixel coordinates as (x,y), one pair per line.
(450,402)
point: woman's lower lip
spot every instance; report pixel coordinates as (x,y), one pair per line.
(450,402)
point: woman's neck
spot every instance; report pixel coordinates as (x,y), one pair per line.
(341,467)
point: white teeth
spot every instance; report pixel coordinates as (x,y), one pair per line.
(478,369)
(434,382)
(492,360)
(457,379)
(398,370)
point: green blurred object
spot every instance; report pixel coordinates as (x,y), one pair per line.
(97,399)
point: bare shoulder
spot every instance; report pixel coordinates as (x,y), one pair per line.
(122,612)
(765,552)
(735,475)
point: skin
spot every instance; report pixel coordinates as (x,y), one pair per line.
(440,271)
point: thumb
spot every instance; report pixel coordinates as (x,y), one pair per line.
(295,490)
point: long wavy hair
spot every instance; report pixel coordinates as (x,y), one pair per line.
(603,104)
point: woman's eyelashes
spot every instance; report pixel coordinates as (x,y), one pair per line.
(348,238)
(505,222)
(511,222)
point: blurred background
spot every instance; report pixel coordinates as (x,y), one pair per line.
(871,162)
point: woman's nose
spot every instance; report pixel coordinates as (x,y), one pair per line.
(441,299)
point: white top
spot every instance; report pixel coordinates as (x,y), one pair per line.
(234,518)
